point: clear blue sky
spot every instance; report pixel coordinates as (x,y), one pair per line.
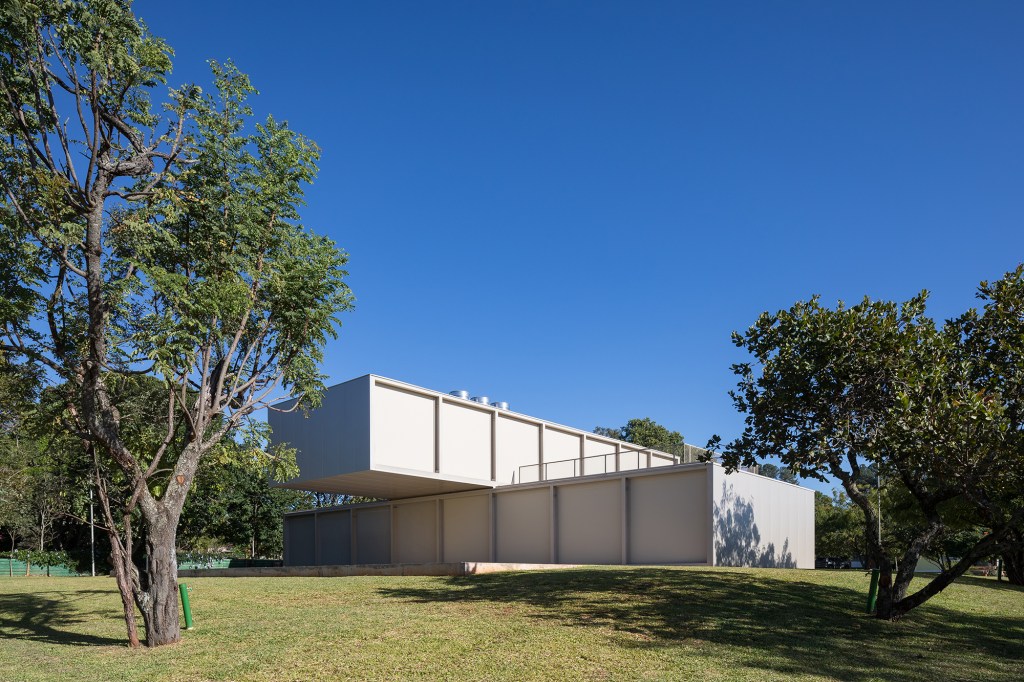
(570,205)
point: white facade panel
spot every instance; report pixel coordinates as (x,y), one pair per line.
(331,440)
(415,526)
(590,523)
(403,429)
(334,537)
(631,459)
(668,518)
(518,445)
(658,460)
(559,445)
(523,526)
(372,527)
(300,540)
(599,457)
(467,528)
(759,521)
(465,441)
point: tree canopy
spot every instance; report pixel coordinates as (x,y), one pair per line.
(935,409)
(646,433)
(155,232)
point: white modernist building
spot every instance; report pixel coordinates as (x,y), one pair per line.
(466,480)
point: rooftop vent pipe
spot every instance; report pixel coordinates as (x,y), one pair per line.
(482,399)
(500,404)
(460,394)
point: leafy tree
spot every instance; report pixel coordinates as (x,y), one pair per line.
(789,476)
(646,433)
(151,240)
(609,431)
(650,434)
(254,513)
(936,409)
(16,395)
(953,543)
(233,503)
(769,470)
(15,518)
(838,526)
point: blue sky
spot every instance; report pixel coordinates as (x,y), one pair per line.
(570,205)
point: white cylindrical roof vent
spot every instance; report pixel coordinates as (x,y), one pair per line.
(482,399)
(500,404)
(460,394)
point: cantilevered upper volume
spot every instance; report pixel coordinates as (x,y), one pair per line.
(383,438)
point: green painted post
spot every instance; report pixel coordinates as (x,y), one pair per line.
(999,569)
(873,590)
(185,606)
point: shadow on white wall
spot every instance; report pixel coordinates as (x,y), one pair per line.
(737,539)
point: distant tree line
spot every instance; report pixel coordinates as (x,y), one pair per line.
(234,509)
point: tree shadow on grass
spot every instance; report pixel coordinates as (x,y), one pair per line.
(783,625)
(49,617)
(989,582)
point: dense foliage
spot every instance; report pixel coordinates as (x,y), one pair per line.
(155,235)
(646,433)
(936,411)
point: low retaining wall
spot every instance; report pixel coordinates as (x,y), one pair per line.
(341,571)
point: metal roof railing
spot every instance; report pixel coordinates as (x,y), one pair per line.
(623,460)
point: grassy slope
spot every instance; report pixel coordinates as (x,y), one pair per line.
(644,623)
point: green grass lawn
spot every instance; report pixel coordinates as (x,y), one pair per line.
(590,623)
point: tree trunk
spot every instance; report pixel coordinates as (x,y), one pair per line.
(124,571)
(890,608)
(888,592)
(1013,567)
(1013,561)
(984,548)
(159,600)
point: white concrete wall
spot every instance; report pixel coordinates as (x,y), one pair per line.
(333,439)
(409,434)
(518,445)
(759,521)
(523,526)
(590,523)
(669,518)
(599,456)
(300,541)
(687,514)
(651,516)
(632,459)
(402,427)
(334,537)
(415,528)
(561,452)
(372,528)
(466,440)
(466,522)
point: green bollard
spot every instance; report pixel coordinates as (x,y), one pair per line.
(999,568)
(185,606)
(873,590)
